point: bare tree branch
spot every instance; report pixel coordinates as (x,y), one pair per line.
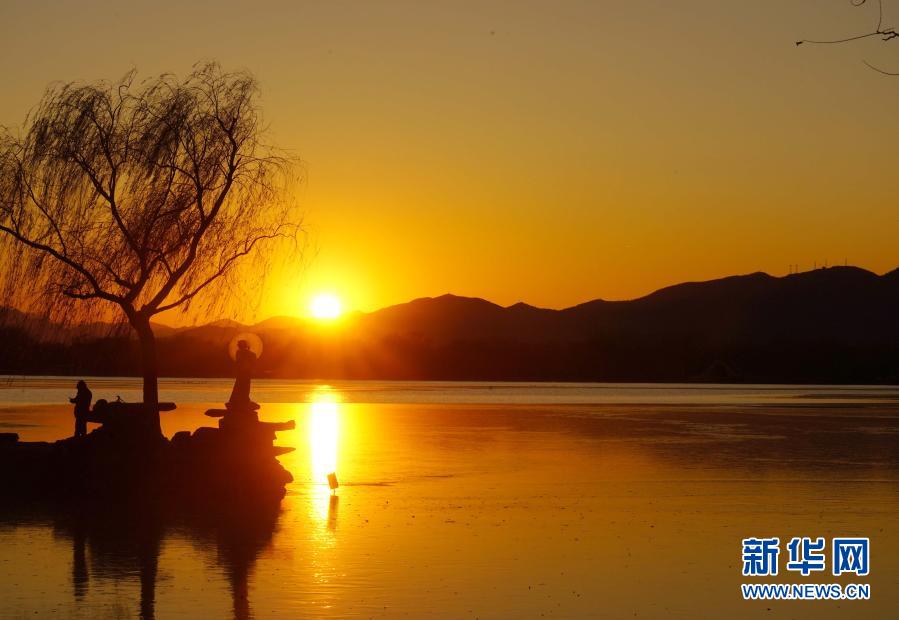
(887,33)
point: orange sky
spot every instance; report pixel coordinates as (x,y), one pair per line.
(545,152)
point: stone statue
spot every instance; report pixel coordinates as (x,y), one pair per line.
(244,361)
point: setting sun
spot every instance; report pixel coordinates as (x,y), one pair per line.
(325,306)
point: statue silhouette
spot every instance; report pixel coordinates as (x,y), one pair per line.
(82,401)
(244,361)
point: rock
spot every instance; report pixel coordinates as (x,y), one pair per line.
(204,434)
(249,405)
(180,437)
(280,426)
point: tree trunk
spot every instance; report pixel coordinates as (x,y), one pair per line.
(150,370)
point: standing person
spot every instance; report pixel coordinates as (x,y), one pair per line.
(82,401)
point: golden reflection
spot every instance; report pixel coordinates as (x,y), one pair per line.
(333,501)
(324,433)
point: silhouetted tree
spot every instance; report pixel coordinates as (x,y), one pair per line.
(127,199)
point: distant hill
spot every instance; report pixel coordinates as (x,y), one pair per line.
(835,325)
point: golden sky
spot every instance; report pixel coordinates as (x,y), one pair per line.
(547,152)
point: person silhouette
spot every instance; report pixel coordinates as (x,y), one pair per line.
(244,359)
(82,401)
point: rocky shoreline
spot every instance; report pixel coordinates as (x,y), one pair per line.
(121,459)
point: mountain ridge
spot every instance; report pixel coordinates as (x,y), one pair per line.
(833,324)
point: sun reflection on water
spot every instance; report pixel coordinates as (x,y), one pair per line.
(324,429)
(324,434)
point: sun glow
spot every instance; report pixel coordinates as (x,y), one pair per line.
(325,307)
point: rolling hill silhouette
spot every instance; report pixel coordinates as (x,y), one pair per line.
(835,325)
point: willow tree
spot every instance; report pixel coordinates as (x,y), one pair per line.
(132,198)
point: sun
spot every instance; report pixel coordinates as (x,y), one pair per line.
(325,307)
